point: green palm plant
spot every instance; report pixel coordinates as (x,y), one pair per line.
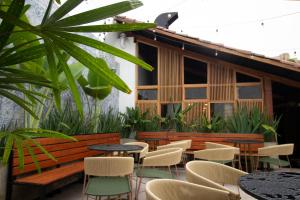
(23,47)
(54,39)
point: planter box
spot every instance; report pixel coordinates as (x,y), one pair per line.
(198,139)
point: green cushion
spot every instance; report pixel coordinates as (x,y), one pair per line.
(107,186)
(153,173)
(274,161)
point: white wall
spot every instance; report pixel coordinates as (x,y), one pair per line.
(127,69)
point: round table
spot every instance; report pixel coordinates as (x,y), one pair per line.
(247,150)
(115,148)
(272,185)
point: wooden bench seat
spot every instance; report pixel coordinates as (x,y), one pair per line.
(69,157)
(53,175)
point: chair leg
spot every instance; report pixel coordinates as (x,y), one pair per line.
(170,171)
(257,163)
(288,159)
(177,173)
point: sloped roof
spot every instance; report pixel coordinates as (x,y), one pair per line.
(289,65)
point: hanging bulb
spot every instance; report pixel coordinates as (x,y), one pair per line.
(295,53)
(262,23)
(216,53)
(155,37)
(182,46)
(217,30)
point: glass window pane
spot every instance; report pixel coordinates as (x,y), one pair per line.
(149,55)
(147,94)
(195,72)
(221,109)
(168,109)
(249,92)
(195,93)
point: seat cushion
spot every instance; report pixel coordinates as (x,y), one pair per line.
(107,186)
(274,161)
(153,173)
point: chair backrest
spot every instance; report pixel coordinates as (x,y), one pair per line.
(108,166)
(187,142)
(213,145)
(165,157)
(276,150)
(167,189)
(183,145)
(219,154)
(145,149)
(212,174)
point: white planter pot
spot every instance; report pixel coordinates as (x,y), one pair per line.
(3,181)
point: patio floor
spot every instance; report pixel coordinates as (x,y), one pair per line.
(73,191)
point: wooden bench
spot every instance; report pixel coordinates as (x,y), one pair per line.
(69,155)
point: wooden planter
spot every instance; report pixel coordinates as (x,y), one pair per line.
(198,139)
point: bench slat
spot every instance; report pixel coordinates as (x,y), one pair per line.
(51,176)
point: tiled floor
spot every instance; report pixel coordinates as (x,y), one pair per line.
(74,191)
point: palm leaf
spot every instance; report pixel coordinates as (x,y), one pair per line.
(98,14)
(15,9)
(104,47)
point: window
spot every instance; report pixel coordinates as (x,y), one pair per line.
(195,93)
(195,72)
(148,54)
(221,109)
(147,94)
(248,87)
(249,92)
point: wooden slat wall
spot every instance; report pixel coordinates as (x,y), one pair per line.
(146,106)
(250,104)
(199,109)
(170,79)
(221,83)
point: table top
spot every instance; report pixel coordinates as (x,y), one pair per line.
(245,141)
(272,185)
(115,147)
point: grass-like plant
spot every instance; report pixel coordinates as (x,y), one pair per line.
(109,122)
(215,125)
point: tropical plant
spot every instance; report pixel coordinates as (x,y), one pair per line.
(22,45)
(176,119)
(68,121)
(133,120)
(109,122)
(269,128)
(215,125)
(55,39)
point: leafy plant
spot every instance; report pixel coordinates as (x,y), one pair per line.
(241,122)
(176,119)
(54,39)
(133,120)
(68,121)
(214,125)
(270,129)
(109,122)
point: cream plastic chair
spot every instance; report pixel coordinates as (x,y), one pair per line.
(160,158)
(107,176)
(270,154)
(237,152)
(166,189)
(187,142)
(221,155)
(142,153)
(182,144)
(215,175)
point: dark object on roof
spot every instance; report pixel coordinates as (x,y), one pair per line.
(166,19)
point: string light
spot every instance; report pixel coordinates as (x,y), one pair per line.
(216,53)
(155,38)
(182,46)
